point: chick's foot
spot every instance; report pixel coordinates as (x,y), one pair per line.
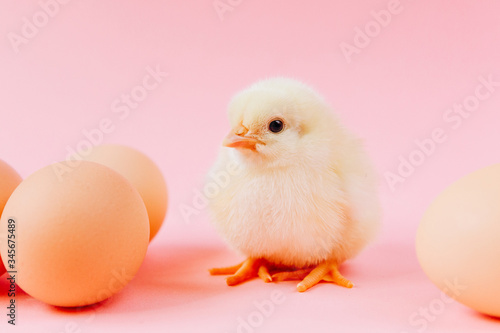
(326,271)
(244,271)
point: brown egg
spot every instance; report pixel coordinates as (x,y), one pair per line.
(80,238)
(458,240)
(9,179)
(143,173)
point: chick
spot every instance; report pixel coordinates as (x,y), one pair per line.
(304,198)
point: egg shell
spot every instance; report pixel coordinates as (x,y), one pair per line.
(81,234)
(9,180)
(143,173)
(458,240)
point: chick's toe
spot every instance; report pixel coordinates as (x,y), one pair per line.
(225,270)
(326,271)
(244,271)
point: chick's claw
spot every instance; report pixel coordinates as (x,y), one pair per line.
(244,271)
(337,278)
(264,274)
(325,271)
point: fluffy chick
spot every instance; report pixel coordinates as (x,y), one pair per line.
(303,197)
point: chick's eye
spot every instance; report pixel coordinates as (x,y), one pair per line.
(276,126)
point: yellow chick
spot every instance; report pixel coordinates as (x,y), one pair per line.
(304,198)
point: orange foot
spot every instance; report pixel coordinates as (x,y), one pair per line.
(251,268)
(326,271)
(245,271)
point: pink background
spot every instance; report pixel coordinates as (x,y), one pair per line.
(393,92)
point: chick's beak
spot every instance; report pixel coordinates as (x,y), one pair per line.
(233,140)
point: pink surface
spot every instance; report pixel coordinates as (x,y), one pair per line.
(69,75)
